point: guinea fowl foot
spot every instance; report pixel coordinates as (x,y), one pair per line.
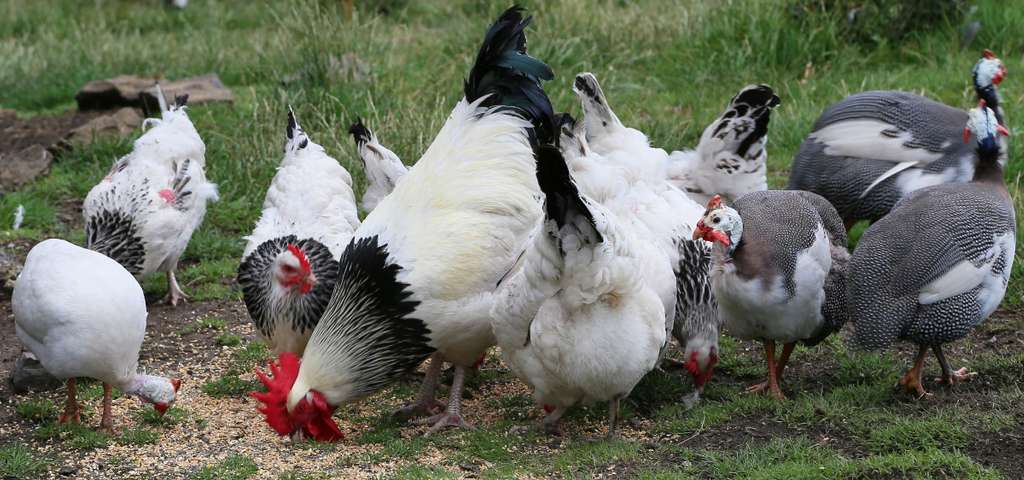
(765,386)
(956,377)
(911,381)
(72,416)
(419,408)
(442,421)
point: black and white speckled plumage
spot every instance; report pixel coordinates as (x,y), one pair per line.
(114,230)
(696,308)
(301,311)
(923,238)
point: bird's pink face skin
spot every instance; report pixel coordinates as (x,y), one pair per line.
(294,270)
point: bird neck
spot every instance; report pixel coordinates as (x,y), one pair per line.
(988,169)
(990,95)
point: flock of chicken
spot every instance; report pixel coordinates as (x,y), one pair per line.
(574,246)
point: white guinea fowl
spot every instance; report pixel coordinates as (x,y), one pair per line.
(83,315)
(578,321)
(383,168)
(290,262)
(731,158)
(143,213)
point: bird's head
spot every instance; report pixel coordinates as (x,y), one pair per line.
(982,123)
(720,224)
(700,362)
(988,71)
(294,410)
(159,392)
(293,270)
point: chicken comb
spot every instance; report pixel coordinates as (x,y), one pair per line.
(275,399)
(715,202)
(303,261)
(988,53)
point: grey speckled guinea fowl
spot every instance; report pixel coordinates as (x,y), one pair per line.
(871,149)
(778,271)
(938,264)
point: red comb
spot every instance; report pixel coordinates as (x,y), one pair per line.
(715,202)
(303,261)
(988,53)
(275,399)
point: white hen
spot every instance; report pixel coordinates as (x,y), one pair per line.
(143,213)
(383,168)
(83,315)
(579,322)
(290,262)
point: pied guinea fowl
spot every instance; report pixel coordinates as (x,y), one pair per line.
(289,265)
(779,271)
(873,148)
(406,291)
(579,321)
(938,264)
(143,213)
(59,318)
(658,210)
(731,159)
(383,168)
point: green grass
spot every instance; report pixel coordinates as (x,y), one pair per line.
(235,467)
(668,68)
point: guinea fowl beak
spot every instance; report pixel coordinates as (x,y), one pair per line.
(1002,130)
(699,231)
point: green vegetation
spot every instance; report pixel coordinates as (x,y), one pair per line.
(243,361)
(209,323)
(36,410)
(228,340)
(235,467)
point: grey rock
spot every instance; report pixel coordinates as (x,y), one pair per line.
(23,166)
(204,89)
(119,123)
(30,376)
(9,269)
(140,92)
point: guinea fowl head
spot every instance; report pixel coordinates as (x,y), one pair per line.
(291,409)
(982,123)
(293,270)
(720,224)
(158,391)
(989,70)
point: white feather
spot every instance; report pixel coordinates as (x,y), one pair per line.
(969,274)
(864,139)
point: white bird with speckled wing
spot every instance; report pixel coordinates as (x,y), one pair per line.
(143,213)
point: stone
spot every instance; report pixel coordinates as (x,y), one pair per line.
(204,89)
(30,376)
(140,92)
(23,166)
(119,123)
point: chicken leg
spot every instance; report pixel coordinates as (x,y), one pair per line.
(911,381)
(950,377)
(426,403)
(106,423)
(72,411)
(774,370)
(452,417)
(174,293)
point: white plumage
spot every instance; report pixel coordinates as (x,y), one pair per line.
(383,168)
(83,315)
(143,213)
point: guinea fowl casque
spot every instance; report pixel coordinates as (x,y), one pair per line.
(731,159)
(660,211)
(406,291)
(58,318)
(873,148)
(779,272)
(938,264)
(289,265)
(579,321)
(383,168)
(143,213)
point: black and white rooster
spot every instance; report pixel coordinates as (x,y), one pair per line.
(143,213)
(420,274)
(289,265)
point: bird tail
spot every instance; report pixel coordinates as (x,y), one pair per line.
(361,134)
(597,113)
(510,78)
(295,138)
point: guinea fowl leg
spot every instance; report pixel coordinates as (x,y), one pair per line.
(71,410)
(772,385)
(950,377)
(106,423)
(174,293)
(911,381)
(426,403)
(453,416)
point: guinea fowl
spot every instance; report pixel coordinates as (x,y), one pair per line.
(419,277)
(578,321)
(779,272)
(59,318)
(383,168)
(873,148)
(731,158)
(289,265)
(143,213)
(938,264)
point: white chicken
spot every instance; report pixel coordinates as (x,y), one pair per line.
(59,318)
(290,262)
(143,213)
(731,158)
(383,168)
(579,321)
(419,277)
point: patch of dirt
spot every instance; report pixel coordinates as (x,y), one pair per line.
(20,133)
(1002,451)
